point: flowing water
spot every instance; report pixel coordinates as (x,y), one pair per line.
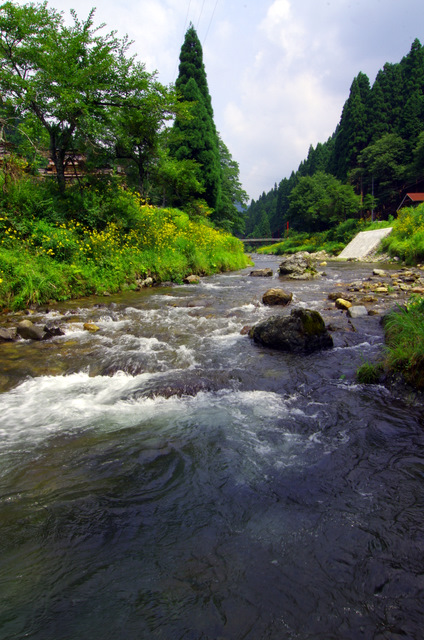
(166,478)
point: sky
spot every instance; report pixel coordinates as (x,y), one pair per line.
(279,71)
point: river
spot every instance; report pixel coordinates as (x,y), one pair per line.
(166,478)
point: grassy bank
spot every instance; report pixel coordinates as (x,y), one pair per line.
(103,238)
(404,348)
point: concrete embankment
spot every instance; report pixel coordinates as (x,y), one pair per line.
(364,244)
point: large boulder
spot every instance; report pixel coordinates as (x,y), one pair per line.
(303,331)
(298,266)
(277,296)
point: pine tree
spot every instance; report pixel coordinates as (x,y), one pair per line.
(196,138)
(353,135)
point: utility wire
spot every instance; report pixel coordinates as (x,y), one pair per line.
(184,30)
(200,15)
(186,18)
(210,22)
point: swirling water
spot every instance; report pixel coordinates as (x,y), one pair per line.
(172,480)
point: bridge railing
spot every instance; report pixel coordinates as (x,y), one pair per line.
(250,240)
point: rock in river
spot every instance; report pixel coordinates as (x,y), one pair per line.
(30,331)
(261,273)
(299,266)
(303,331)
(277,296)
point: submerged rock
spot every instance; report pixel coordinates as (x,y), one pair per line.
(304,331)
(277,296)
(357,311)
(262,273)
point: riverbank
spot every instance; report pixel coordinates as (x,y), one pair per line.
(42,261)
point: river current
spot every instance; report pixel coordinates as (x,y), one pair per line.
(166,478)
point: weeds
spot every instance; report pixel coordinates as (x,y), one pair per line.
(111,239)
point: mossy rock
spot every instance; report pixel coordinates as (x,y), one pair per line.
(304,331)
(312,322)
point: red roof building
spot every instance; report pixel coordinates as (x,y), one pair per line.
(411,200)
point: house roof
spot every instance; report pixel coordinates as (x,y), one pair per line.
(416,197)
(412,197)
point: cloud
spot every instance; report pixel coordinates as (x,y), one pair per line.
(282,29)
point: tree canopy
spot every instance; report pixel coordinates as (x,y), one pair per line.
(67,77)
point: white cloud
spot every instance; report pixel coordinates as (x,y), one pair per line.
(283,30)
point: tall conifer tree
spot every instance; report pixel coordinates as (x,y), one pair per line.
(196,138)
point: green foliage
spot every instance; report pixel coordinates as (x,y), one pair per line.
(195,136)
(370,373)
(59,257)
(407,238)
(404,330)
(79,86)
(377,147)
(317,202)
(229,215)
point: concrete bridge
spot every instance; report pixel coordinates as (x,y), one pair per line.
(257,240)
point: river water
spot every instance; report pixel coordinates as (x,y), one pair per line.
(166,478)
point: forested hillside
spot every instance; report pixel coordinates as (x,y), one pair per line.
(374,157)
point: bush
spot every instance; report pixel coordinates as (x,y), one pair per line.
(404,331)
(407,238)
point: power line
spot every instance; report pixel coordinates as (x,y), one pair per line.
(186,18)
(200,15)
(184,30)
(210,22)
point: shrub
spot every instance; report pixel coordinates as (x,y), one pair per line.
(404,331)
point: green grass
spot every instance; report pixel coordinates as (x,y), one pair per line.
(369,372)
(404,330)
(103,238)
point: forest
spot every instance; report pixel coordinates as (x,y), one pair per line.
(374,157)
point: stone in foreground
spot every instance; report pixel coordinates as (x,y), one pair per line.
(357,311)
(29,331)
(303,331)
(276,296)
